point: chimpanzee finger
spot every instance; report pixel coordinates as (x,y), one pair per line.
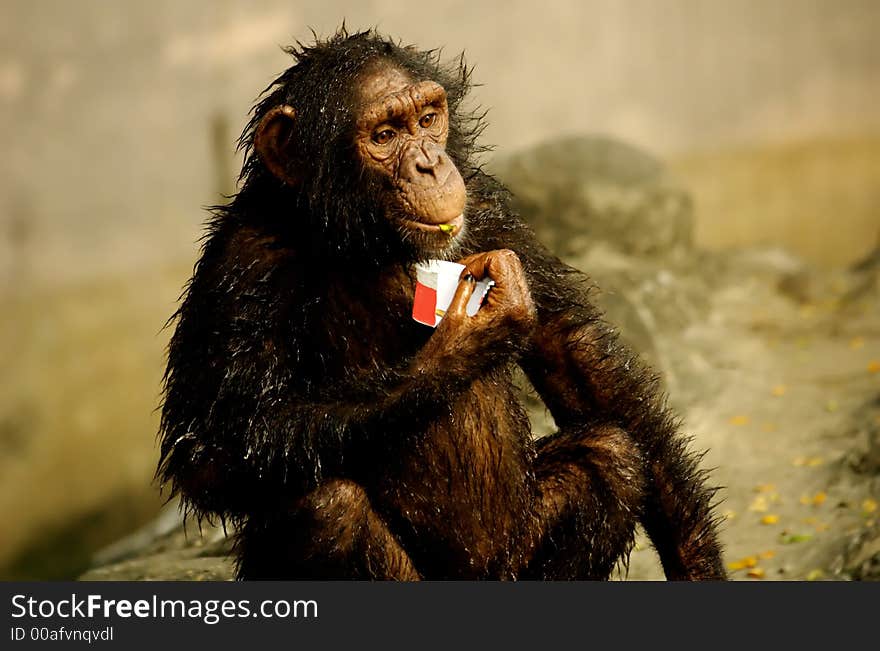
(476,265)
(463,292)
(500,265)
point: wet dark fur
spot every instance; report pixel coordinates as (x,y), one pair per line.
(283,410)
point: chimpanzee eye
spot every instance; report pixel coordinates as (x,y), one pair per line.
(384,137)
(427,120)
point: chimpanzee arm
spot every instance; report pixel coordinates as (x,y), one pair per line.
(583,372)
(239,434)
(249,455)
(260,437)
(584,375)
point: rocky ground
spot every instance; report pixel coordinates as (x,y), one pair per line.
(773,365)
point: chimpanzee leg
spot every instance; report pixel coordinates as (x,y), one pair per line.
(591,493)
(332,532)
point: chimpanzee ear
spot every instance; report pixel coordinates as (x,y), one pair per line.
(273,141)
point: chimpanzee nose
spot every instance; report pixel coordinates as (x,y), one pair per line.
(427,161)
(423,164)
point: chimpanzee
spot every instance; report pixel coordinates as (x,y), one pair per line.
(345,440)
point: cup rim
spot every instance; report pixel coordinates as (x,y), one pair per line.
(439,266)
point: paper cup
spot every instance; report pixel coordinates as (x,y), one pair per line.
(436,282)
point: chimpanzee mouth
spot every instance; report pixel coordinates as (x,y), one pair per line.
(451,228)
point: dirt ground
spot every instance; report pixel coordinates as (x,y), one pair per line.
(792,394)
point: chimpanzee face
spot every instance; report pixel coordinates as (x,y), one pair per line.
(401,134)
(400,128)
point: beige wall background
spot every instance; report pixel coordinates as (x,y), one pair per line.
(107,109)
(117,121)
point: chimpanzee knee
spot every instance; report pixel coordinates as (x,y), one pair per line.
(318,537)
(332,532)
(592,493)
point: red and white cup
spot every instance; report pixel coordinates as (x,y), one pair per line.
(436,282)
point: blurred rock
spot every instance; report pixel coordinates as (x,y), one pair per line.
(865,457)
(613,211)
(860,559)
(583,190)
(867,274)
(166,550)
(168,521)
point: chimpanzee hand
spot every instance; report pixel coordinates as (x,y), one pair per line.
(509,305)
(501,327)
